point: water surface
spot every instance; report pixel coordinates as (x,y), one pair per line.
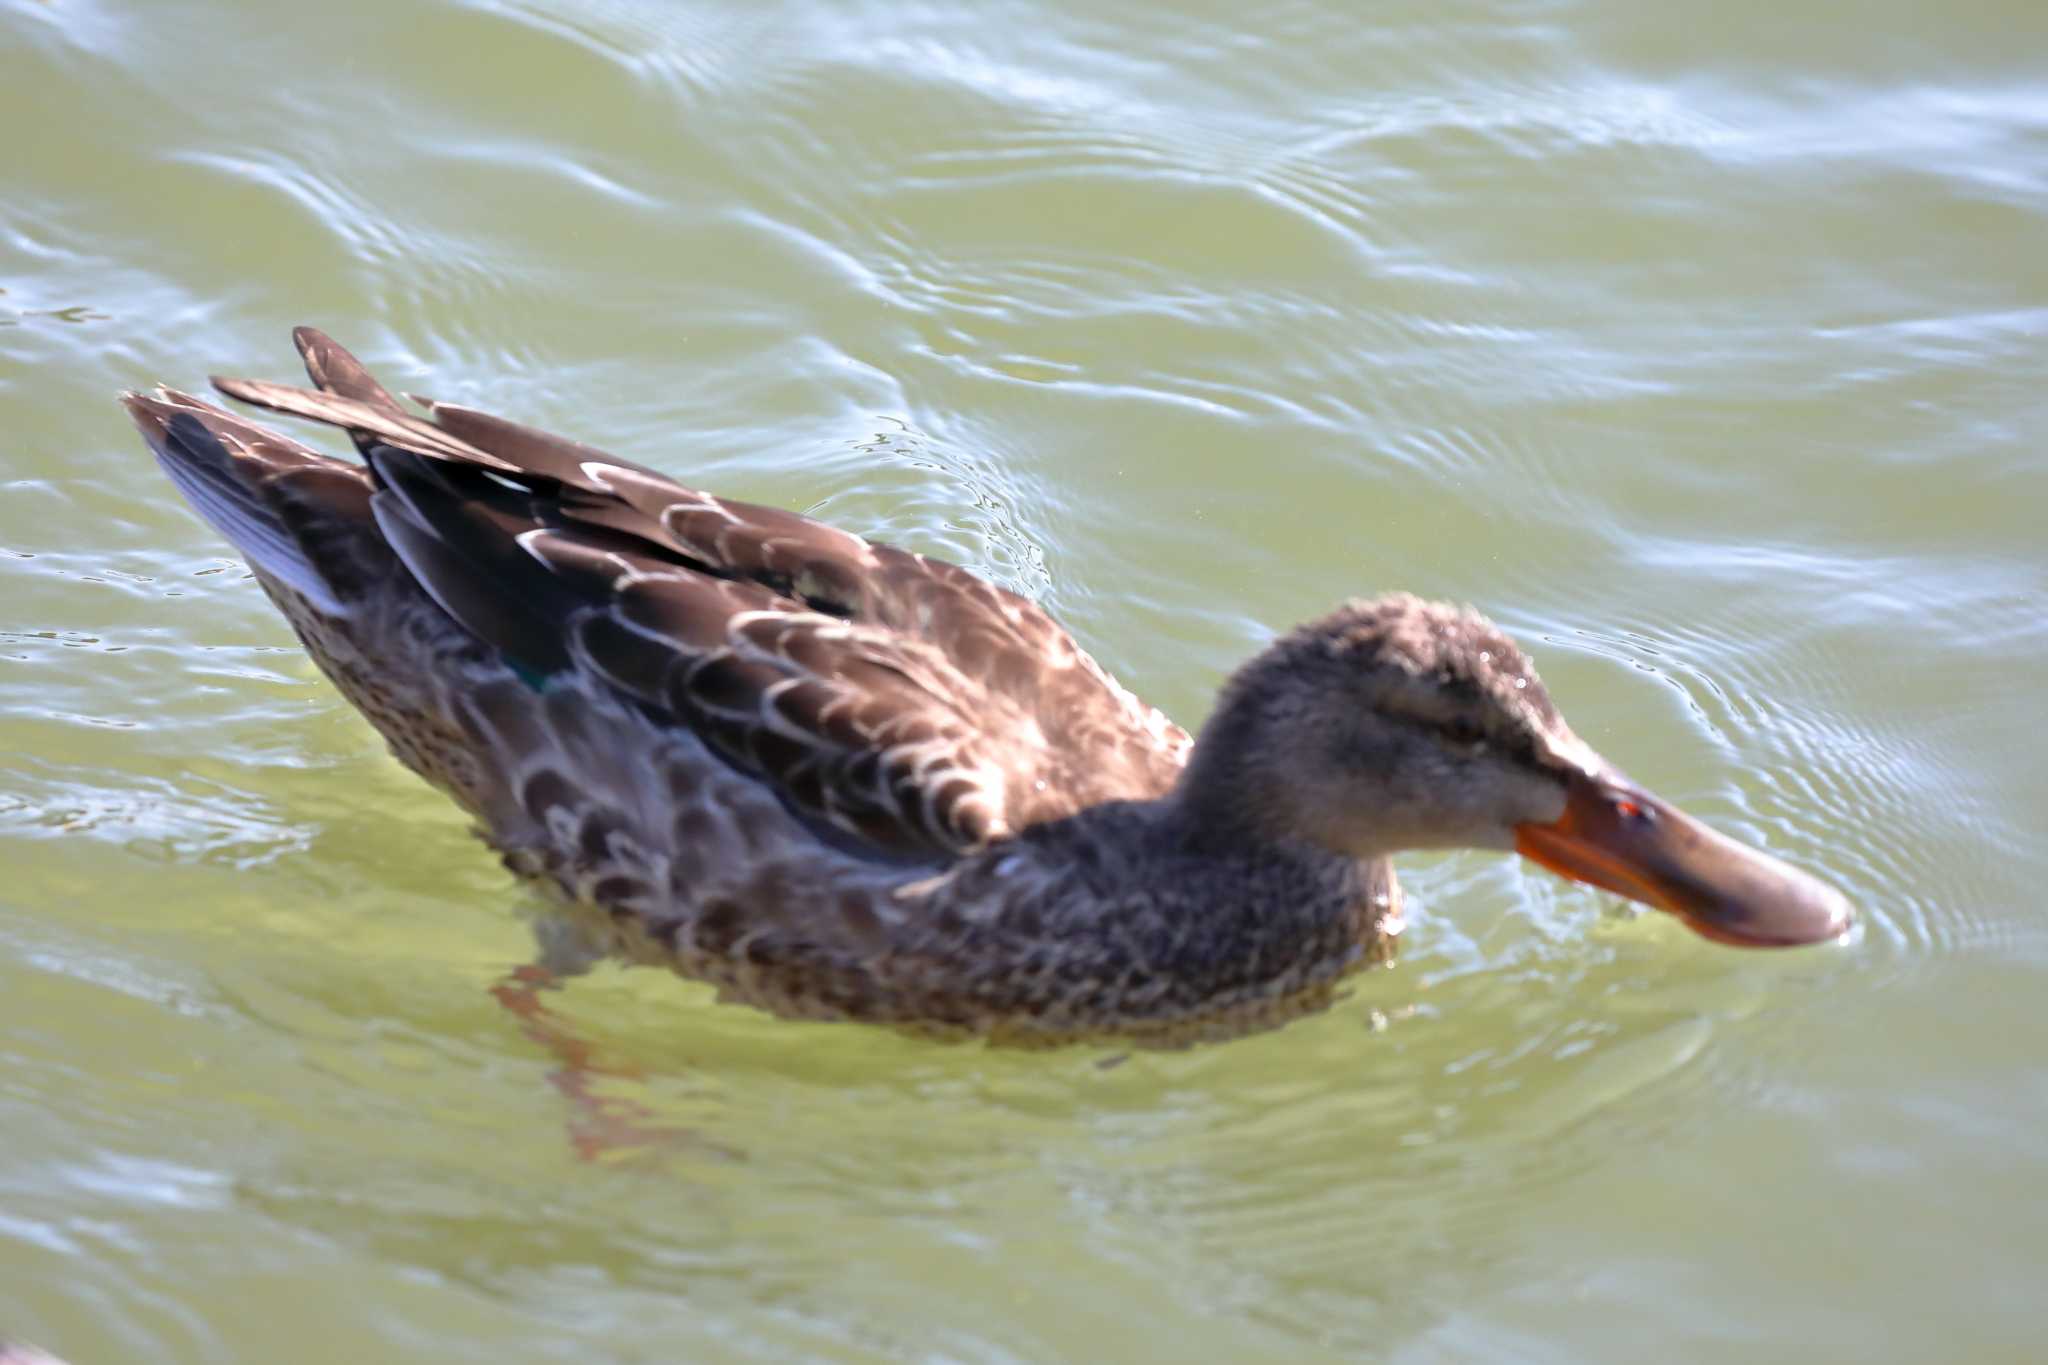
(1702,347)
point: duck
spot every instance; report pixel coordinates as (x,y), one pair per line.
(838,780)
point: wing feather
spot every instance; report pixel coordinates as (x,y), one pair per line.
(902,700)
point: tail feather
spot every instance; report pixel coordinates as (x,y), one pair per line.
(296,515)
(368,422)
(347,396)
(335,371)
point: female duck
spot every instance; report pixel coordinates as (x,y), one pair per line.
(843,781)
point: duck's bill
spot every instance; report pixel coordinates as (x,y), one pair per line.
(1616,836)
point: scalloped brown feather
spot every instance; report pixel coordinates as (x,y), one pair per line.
(834,778)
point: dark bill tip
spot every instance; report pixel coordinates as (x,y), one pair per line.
(1616,836)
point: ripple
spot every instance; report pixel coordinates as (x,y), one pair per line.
(1972,134)
(166,822)
(945,499)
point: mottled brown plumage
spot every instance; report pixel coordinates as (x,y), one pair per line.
(843,781)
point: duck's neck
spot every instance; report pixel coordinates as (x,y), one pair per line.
(1237,792)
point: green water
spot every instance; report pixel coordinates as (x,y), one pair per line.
(1703,346)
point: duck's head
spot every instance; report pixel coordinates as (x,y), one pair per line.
(1402,724)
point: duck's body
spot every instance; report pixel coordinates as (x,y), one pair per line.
(661,848)
(836,779)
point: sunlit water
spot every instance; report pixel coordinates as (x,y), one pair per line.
(1702,346)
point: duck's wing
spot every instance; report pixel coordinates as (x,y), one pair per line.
(900,699)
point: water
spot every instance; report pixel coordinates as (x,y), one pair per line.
(1702,347)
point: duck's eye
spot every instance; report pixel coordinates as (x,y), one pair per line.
(1465,732)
